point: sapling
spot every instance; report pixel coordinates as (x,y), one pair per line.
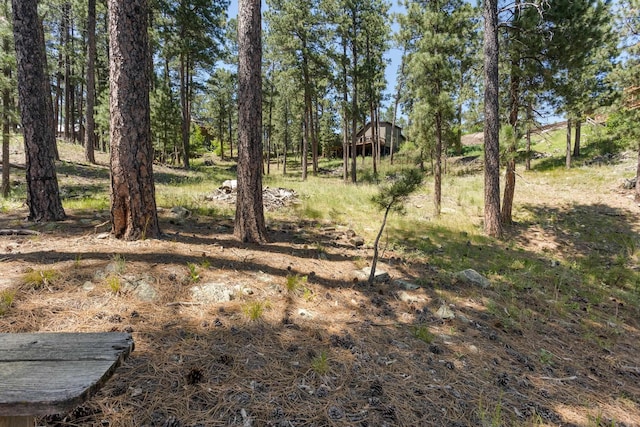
(392,198)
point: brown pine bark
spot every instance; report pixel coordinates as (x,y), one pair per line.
(6,116)
(576,143)
(492,223)
(249,220)
(90,135)
(568,151)
(133,205)
(43,197)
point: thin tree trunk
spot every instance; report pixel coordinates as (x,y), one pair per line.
(576,143)
(437,170)
(90,133)
(184,90)
(354,100)
(568,155)
(66,11)
(492,224)
(396,102)
(529,120)
(249,220)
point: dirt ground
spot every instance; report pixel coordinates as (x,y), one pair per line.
(333,351)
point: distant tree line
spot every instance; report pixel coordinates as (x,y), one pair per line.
(323,77)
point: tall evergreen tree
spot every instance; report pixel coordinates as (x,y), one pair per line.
(193,33)
(492,222)
(43,197)
(438,30)
(249,220)
(133,204)
(90,133)
(7,87)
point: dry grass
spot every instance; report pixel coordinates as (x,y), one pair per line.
(543,346)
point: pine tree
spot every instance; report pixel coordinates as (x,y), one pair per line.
(249,220)
(43,197)
(133,204)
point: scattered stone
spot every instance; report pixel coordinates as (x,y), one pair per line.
(88,286)
(102,236)
(410,298)
(363,274)
(444,312)
(141,287)
(474,277)
(357,241)
(179,214)
(306,313)
(229,185)
(629,184)
(473,349)
(213,292)
(406,284)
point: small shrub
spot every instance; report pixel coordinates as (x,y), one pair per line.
(423,334)
(114,284)
(254,310)
(295,282)
(194,276)
(320,363)
(546,357)
(6,300)
(39,278)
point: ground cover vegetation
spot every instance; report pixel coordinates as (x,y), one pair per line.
(176,204)
(299,337)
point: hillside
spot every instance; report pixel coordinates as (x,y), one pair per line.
(288,334)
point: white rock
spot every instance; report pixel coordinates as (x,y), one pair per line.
(444,312)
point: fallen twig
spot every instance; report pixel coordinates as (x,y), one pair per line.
(185,303)
(573,377)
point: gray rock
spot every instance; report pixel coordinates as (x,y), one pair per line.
(357,241)
(474,277)
(213,292)
(410,298)
(88,286)
(380,276)
(145,292)
(444,312)
(406,285)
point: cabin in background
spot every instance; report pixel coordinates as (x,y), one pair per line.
(387,130)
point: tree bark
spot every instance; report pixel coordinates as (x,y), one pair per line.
(568,155)
(90,133)
(637,194)
(133,204)
(43,197)
(249,219)
(437,170)
(492,224)
(576,143)
(6,113)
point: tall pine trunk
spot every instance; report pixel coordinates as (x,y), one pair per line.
(492,223)
(133,204)
(249,220)
(6,111)
(90,133)
(43,197)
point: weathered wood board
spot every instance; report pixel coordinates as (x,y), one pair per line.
(49,373)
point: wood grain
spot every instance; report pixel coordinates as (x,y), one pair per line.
(48,373)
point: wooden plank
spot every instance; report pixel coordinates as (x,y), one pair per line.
(17,422)
(48,373)
(65,346)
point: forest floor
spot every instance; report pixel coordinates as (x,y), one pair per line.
(301,341)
